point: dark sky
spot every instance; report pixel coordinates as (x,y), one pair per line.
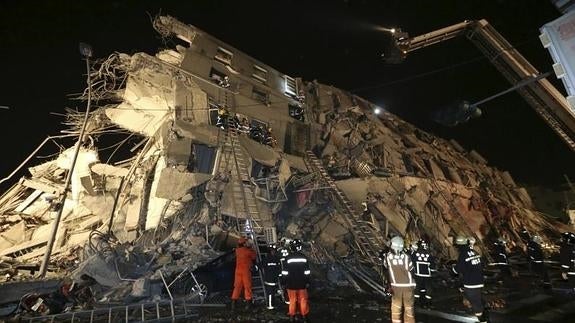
(333,41)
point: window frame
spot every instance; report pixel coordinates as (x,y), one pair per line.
(287,89)
(227,56)
(264,93)
(262,79)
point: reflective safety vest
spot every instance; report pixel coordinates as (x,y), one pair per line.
(399,267)
(423,261)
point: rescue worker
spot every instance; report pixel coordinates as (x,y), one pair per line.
(225,82)
(571,270)
(272,270)
(399,267)
(424,264)
(500,259)
(536,259)
(283,252)
(297,277)
(565,250)
(385,282)
(223,117)
(470,269)
(245,257)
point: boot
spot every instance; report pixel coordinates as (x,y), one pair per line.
(292,318)
(249,304)
(483,318)
(233,305)
(304,319)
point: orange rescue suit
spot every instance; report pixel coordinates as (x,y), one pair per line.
(243,276)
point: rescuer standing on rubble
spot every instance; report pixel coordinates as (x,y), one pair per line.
(565,250)
(470,268)
(571,260)
(245,257)
(296,275)
(283,252)
(399,267)
(272,270)
(424,264)
(536,259)
(500,259)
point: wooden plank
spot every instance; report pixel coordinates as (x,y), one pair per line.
(22,246)
(29,200)
(44,187)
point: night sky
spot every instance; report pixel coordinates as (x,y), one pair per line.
(335,42)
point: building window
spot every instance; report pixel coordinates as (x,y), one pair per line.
(213,109)
(260,74)
(224,56)
(260,96)
(290,86)
(217,76)
(296,111)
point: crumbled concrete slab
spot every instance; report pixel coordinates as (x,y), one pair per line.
(13,236)
(109,170)
(173,184)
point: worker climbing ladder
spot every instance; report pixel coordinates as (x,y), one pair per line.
(366,238)
(234,162)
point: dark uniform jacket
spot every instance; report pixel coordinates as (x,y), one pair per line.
(500,255)
(565,252)
(535,252)
(571,270)
(272,269)
(469,266)
(296,271)
(423,261)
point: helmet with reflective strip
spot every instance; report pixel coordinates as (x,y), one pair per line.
(461,241)
(295,245)
(397,243)
(422,244)
(537,239)
(501,241)
(242,241)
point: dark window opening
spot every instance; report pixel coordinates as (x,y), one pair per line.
(296,111)
(260,96)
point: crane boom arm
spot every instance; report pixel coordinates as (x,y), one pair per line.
(543,97)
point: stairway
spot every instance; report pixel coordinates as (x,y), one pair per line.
(368,241)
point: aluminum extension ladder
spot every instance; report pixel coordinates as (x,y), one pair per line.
(161,311)
(366,238)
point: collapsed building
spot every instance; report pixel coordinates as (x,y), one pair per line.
(223,145)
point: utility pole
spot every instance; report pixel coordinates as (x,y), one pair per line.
(86,51)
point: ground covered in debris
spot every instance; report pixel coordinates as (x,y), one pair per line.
(518,299)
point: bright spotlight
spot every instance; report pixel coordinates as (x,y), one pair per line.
(377,110)
(387,30)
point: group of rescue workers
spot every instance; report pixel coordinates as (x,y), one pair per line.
(285,268)
(257,133)
(408,271)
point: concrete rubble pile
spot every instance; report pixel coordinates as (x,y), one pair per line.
(168,197)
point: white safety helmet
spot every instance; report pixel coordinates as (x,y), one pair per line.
(397,244)
(461,241)
(537,239)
